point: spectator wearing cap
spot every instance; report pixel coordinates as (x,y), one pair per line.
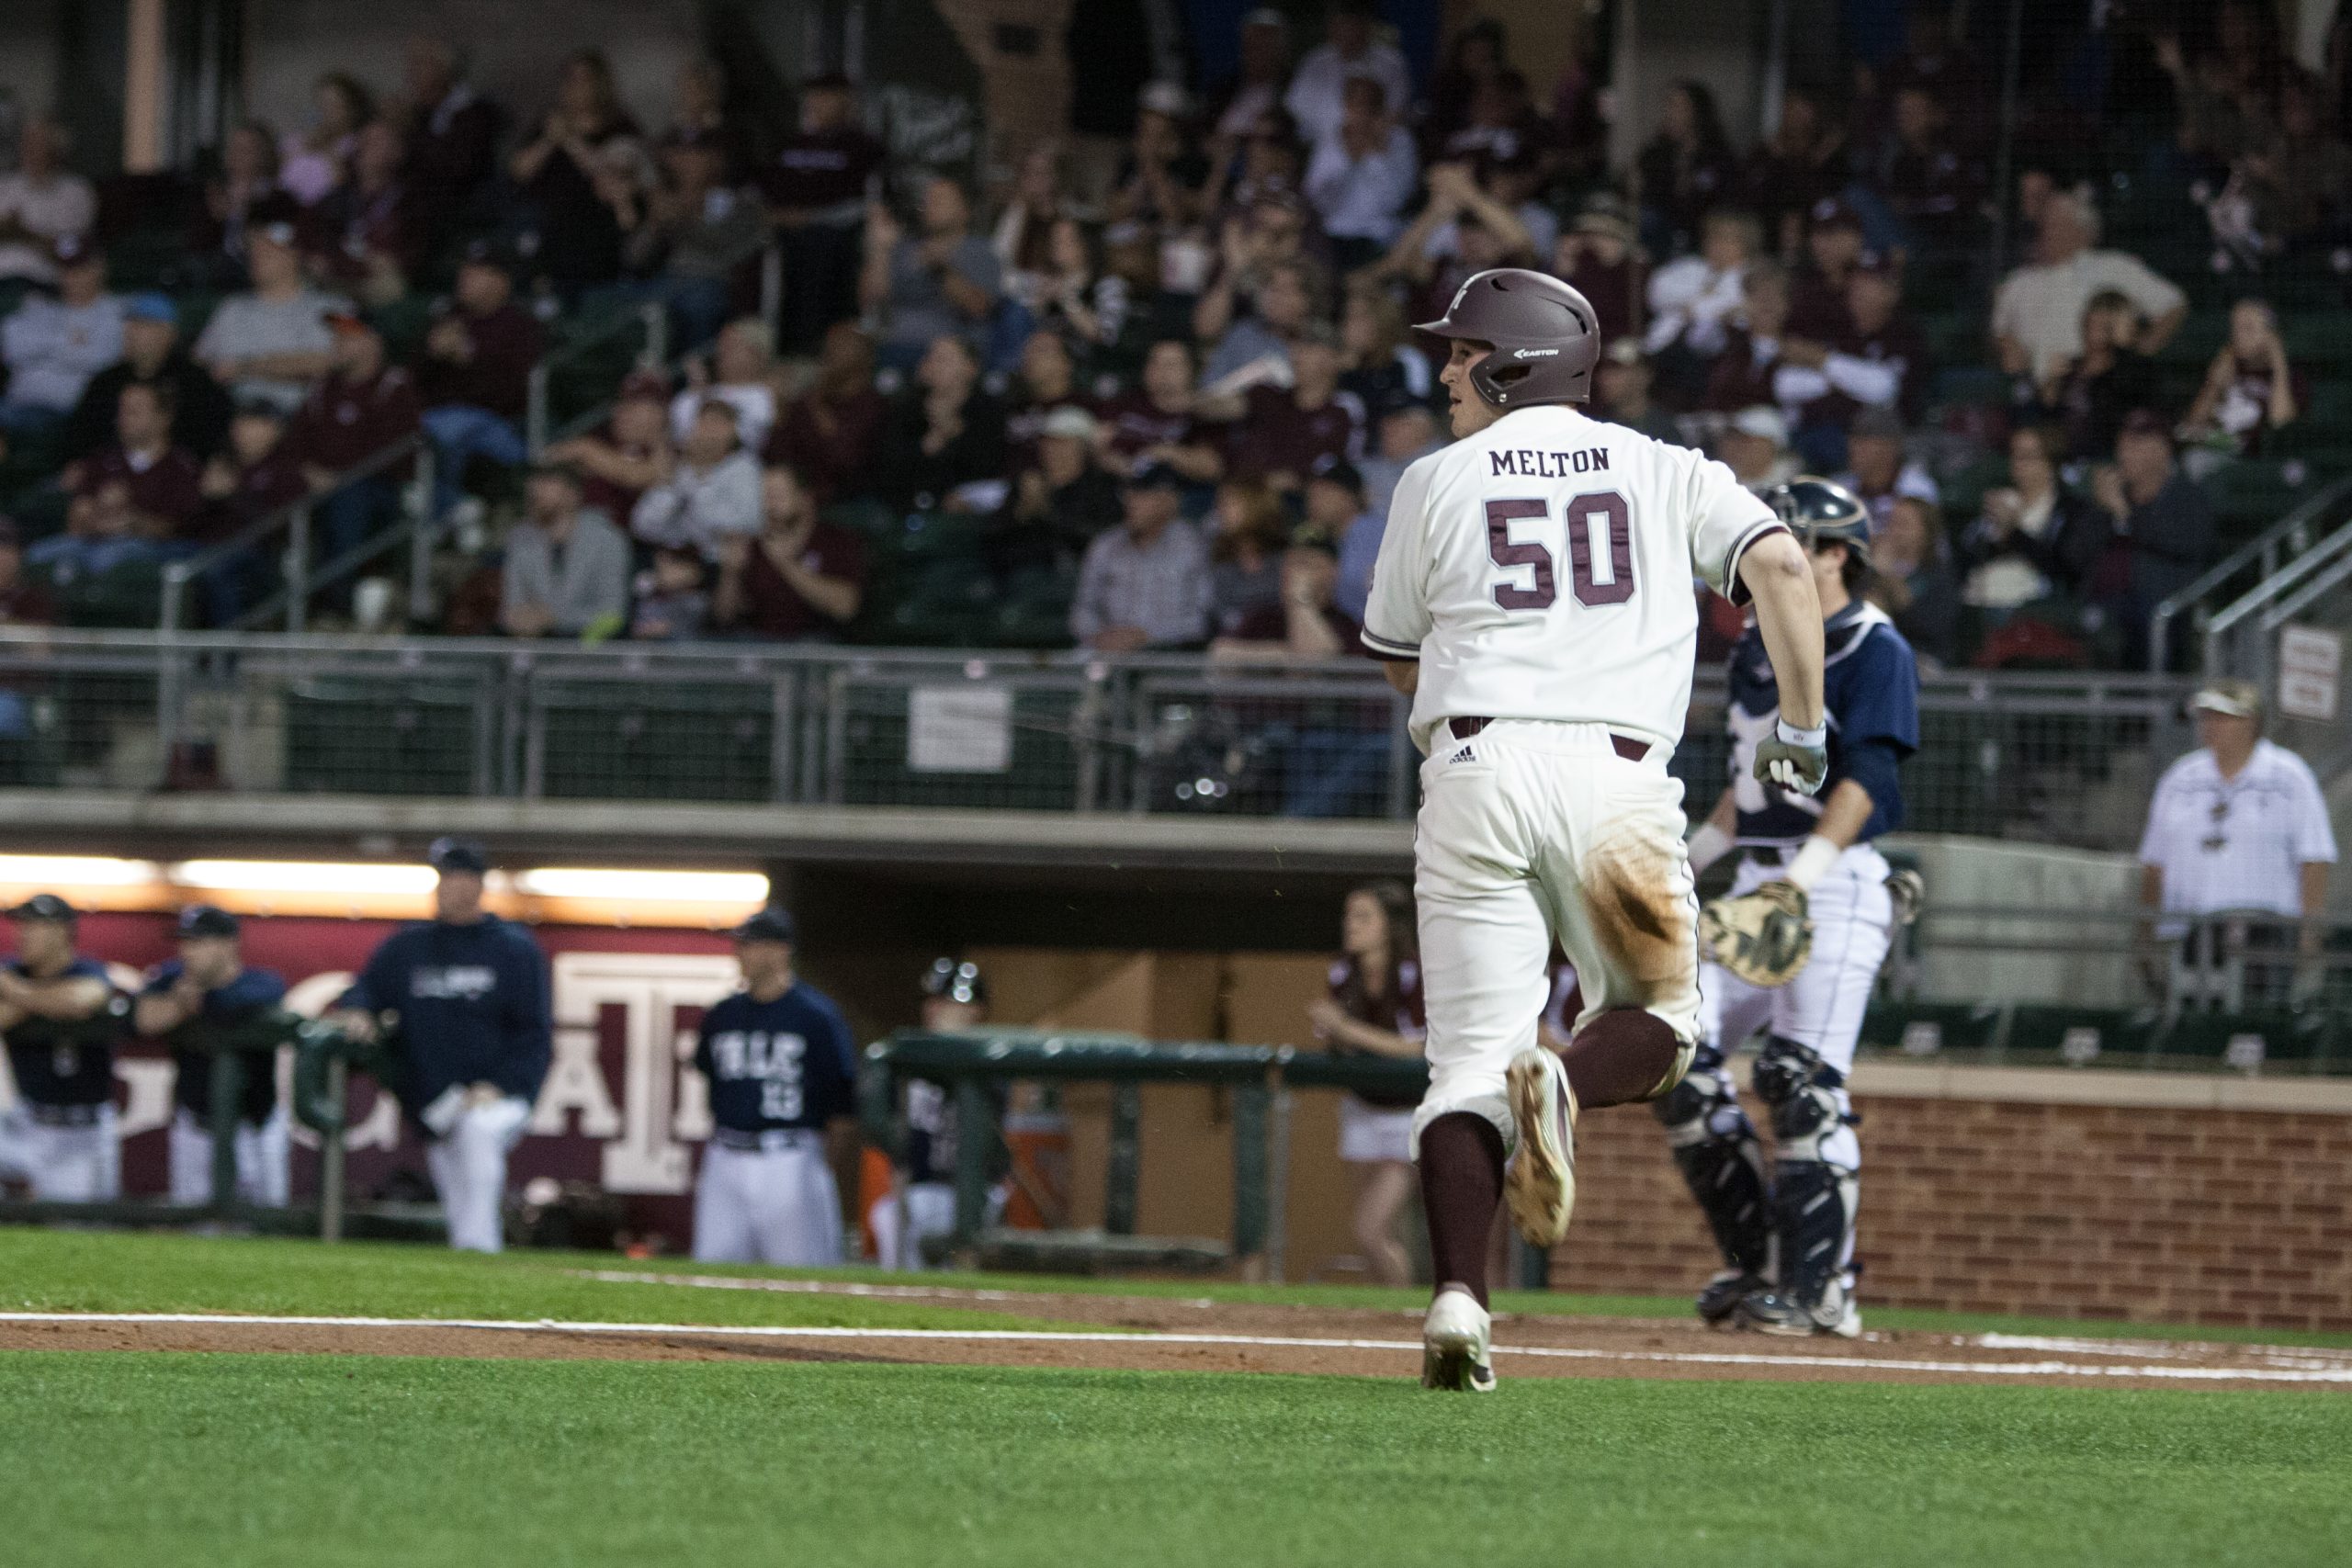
(163,483)
(2238,828)
(1059,501)
(1601,258)
(630,454)
(41,202)
(944,284)
(254,479)
(63,1020)
(709,492)
(1877,471)
(1339,510)
(944,432)
(567,565)
(368,234)
(53,347)
(363,406)
(740,370)
(1283,433)
(1159,421)
(1360,175)
(1621,393)
(466,995)
(1755,445)
(1748,370)
(2165,521)
(799,578)
(209,984)
(1318,96)
(152,352)
(697,231)
(2038,311)
(817,187)
(1146,583)
(1833,249)
(829,433)
(1404,432)
(475,377)
(451,134)
(673,602)
(585,173)
(783,1073)
(1695,299)
(272,341)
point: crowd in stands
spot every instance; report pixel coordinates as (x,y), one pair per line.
(1157,394)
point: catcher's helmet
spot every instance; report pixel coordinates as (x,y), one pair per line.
(1820,512)
(1545,336)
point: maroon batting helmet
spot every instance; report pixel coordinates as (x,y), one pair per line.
(1545,337)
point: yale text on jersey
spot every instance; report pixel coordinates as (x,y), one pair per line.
(1521,463)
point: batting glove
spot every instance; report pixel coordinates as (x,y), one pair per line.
(1794,759)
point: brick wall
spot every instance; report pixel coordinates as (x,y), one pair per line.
(2153,1213)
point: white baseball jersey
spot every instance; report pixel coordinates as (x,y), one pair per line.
(2237,843)
(1540,569)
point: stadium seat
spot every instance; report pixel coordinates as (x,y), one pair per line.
(2078,1036)
(1928,1029)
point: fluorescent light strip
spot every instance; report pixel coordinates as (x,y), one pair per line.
(301,877)
(652,886)
(76,871)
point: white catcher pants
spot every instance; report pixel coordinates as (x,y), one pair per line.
(62,1165)
(1533,833)
(469,1169)
(1853,923)
(263,1156)
(928,1209)
(770,1205)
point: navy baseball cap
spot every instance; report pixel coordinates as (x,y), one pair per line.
(1155,476)
(956,981)
(772,924)
(45,907)
(206,919)
(448,855)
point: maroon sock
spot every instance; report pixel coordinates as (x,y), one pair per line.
(1462,1186)
(1619,1056)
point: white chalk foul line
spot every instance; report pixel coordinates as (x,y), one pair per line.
(1247,1341)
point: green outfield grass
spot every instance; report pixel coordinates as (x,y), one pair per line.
(267,1460)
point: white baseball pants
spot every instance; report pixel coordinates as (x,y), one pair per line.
(769,1205)
(468,1170)
(62,1164)
(1533,833)
(928,1209)
(1853,923)
(263,1157)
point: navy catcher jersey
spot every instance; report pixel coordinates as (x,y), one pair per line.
(788,1063)
(68,1064)
(1870,684)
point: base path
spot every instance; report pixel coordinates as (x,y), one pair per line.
(1370,1344)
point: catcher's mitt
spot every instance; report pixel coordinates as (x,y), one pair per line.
(1763,937)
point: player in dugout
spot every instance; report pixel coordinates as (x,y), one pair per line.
(210,982)
(63,1018)
(466,996)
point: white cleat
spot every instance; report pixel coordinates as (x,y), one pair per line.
(1454,1351)
(1542,1182)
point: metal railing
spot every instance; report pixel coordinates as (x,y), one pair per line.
(2277,599)
(652,318)
(2051,757)
(2244,570)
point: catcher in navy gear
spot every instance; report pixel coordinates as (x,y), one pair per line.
(1793,951)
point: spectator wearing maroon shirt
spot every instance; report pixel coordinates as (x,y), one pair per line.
(164,481)
(256,478)
(451,134)
(798,579)
(475,376)
(828,433)
(1158,421)
(1833,246)
(1601,259)
(631,454)
(1798,166)
(152,351)
(1929,189)
(817,187)
(1281,434)
(1879,361)
(367,233)
(362,407)
(1748,371)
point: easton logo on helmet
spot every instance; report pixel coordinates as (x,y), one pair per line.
(1535,354)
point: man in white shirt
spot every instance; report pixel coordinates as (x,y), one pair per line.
(1315,99)
(53,347)
(2237,826)
(41,204)
(2038,311)
(1362,176)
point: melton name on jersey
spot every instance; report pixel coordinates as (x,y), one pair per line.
(1542,570)
(1871,691)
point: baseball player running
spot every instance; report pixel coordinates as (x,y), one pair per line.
(921,1200)
(209,981)
(467,994)
(1532,594)
(783,1076)
(1809,883)
(63,1019)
